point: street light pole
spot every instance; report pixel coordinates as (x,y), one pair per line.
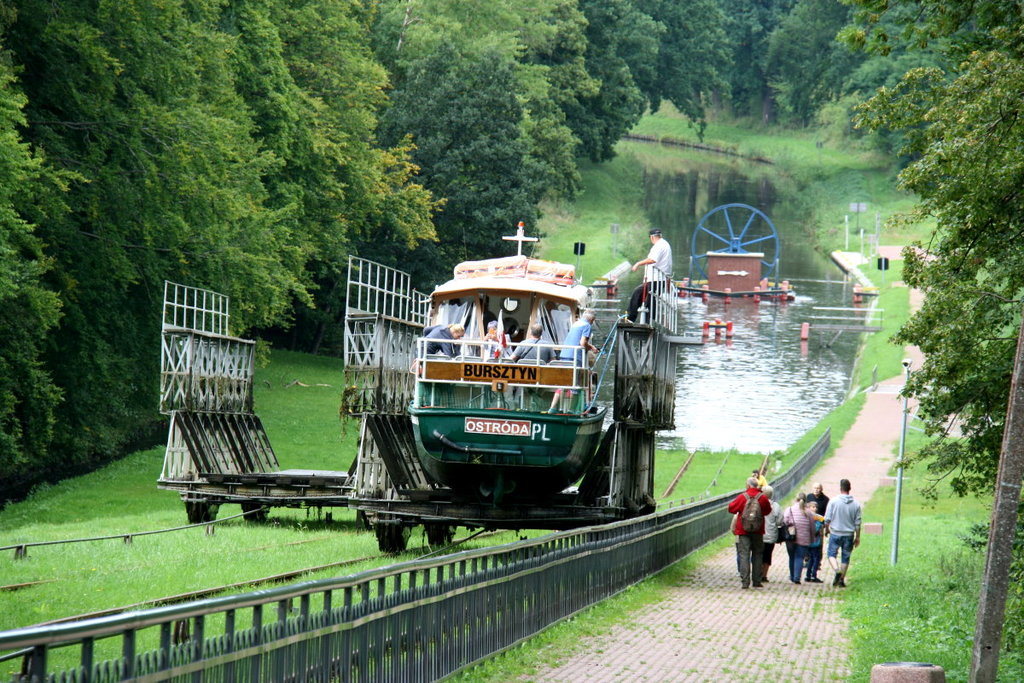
(899,467)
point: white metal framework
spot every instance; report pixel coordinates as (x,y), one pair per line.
(192,308)
(384,316)
(206,387)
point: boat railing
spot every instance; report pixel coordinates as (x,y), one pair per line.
(469,378)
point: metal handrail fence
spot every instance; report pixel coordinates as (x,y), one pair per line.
(415,621)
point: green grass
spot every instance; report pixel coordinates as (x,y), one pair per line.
(709,474)
(611,193)
(298,396)
(304,428)
(922,609)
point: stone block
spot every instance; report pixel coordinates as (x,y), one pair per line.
(907,672)
(872,528)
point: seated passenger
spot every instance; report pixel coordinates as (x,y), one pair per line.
(529,350)
(492,344)
(441,332)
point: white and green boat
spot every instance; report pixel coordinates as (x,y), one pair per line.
(495,428)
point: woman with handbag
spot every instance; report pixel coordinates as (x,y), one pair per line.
(772,522)
(796,518)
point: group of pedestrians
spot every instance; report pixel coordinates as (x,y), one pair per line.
(760,524)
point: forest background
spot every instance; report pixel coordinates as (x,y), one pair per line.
(251,146)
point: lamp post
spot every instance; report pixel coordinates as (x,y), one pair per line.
(899,467)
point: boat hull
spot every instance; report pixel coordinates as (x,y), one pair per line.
(500,455)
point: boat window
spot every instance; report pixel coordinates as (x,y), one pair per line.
(556,319)
(456,311)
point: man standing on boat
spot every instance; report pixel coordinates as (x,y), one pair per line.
(657,277)
(442,332)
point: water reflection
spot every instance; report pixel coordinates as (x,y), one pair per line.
(763,389)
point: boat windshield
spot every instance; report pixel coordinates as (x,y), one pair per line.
(458,311)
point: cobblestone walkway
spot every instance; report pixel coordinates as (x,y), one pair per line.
(697,632)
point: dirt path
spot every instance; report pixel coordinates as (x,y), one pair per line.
(694,634)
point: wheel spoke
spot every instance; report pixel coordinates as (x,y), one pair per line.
(718,237)
(746,227)
(728,224)
(758,239)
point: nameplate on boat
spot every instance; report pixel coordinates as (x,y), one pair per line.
(511,373)
(483,425)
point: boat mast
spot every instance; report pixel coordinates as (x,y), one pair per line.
(520,237)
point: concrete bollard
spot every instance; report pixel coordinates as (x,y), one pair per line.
(907,672)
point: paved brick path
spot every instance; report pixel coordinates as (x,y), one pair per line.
(694,634)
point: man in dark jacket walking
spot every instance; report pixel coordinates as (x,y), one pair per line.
(749,544)
(817,496)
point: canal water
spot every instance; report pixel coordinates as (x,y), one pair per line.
(763,389)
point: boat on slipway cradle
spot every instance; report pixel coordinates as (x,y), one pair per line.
(488,425)
(489,440)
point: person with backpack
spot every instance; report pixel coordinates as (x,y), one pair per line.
(750,508)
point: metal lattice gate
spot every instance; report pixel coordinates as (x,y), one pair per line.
(206,389)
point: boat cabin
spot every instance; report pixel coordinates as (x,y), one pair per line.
(515,292)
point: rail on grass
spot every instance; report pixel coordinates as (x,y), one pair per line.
(419,620)
(21,549)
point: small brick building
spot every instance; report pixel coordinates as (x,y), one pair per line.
(736,272)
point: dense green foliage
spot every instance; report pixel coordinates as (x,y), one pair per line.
(28,397)
(192,141)
(961,126)
(963,131)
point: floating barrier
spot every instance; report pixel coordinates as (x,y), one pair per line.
(717,326)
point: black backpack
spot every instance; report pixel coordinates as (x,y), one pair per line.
(752,519)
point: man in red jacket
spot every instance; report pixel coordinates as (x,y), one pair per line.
(749,543)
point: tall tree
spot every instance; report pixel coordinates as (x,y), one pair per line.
(964,126)
(28,397)
(545,40)
(307,73)
(693,55)
(749,25)
(618,35)
(801,84)
(137,98)
(469,143)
